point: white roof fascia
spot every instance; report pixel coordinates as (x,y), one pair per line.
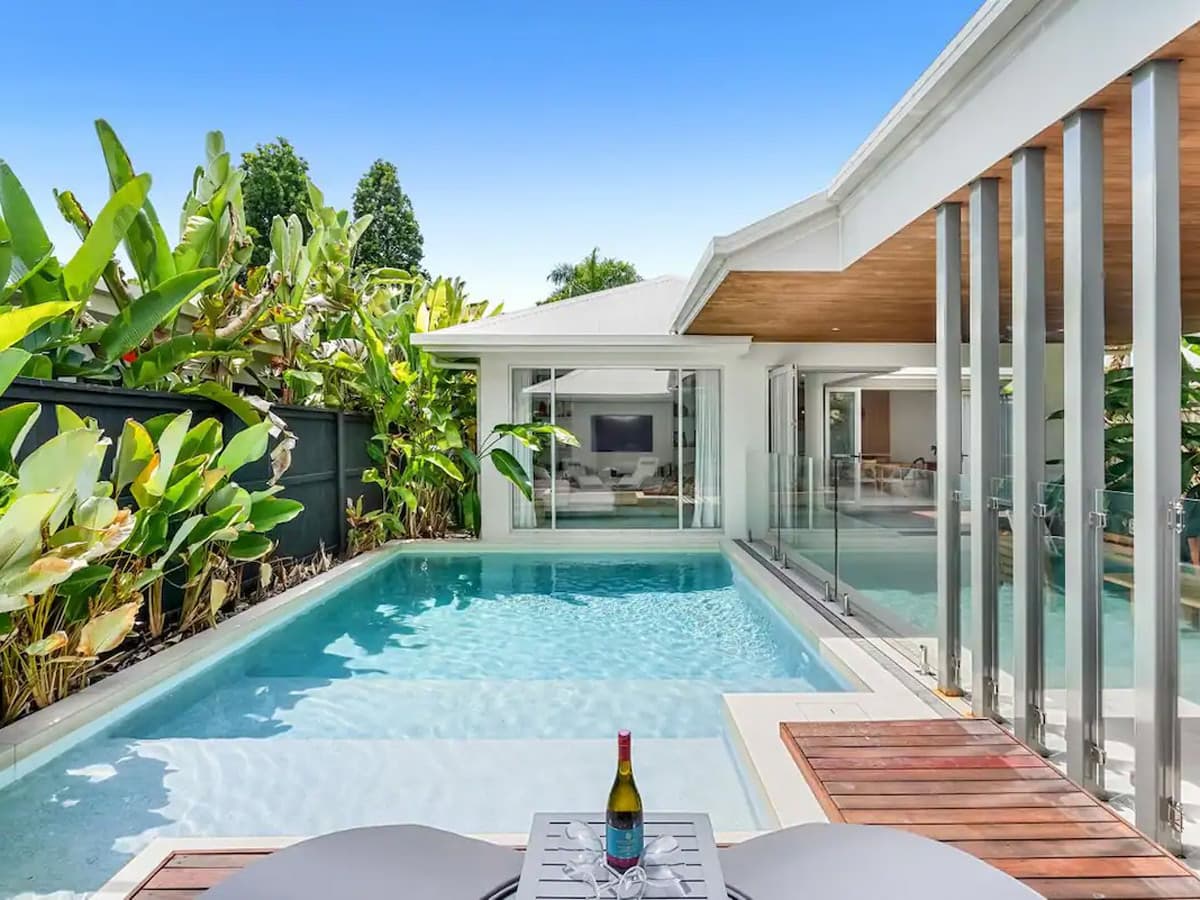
(714,265)
(505,342)
(983,32)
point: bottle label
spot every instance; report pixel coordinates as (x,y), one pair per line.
(624,845)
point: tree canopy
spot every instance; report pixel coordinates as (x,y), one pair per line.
(393,238)
(588,275)
(275,184)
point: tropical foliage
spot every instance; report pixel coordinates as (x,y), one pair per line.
(394,238)
(589,275)
(276,184)
(83,556)
(266,295)
(426,452)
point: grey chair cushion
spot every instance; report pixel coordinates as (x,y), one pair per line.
(861,862)
(386,861)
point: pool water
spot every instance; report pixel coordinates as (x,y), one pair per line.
(464,691)
(897,573)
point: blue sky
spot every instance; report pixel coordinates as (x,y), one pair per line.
(526,133)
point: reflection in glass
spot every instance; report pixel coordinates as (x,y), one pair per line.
(532,403)
(843,423)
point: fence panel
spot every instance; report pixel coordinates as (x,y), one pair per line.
(327,462)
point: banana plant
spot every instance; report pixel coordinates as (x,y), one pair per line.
(193,518)
(424,437)
(42,299)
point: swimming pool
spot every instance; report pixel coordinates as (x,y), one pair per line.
(462,691)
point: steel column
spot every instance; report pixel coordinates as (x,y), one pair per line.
(949,444)
(984,460)
(1157,325)
(1083,436)
(1029,437)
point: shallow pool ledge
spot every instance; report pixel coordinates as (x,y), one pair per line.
(35,739)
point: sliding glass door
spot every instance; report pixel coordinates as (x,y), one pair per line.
(649,454)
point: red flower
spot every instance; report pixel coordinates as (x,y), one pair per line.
(130,356)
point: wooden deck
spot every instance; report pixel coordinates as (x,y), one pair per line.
(969,783)
(184,875)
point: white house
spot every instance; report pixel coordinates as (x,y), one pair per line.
(1024,205)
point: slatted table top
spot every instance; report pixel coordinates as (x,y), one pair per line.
(969,783)
(542,876)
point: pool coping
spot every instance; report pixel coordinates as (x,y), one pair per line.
(40,736)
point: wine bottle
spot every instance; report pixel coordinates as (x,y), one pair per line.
(623,816)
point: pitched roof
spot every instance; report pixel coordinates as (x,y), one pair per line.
(634,314)
(642,308)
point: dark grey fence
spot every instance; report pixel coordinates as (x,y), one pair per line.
(327,462)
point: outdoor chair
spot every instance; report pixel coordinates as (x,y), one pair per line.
(386,861)
(860,862)
(647,467)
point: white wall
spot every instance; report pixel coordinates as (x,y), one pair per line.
(914,425)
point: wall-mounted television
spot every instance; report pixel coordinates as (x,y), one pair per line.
(622,434)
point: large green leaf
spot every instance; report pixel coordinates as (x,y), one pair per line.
(272,511)
(55,466)
(443,462)
(197,234)
(506,464)
(247,446)
(235,403)
(17,324)
(249,546)
(165,358)
(84,269)
(12,361)
(21,526)
(169,444)
(210,525)
(145,241)
(149,535)
(30,243)
(230,495)
(67,418)
(181,534)
(184,493)
(204,439)
(6,252)
(134,450)
(137,321)
(15,424)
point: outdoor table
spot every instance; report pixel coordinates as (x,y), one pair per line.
(542,876)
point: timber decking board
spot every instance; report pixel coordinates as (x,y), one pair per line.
(972,785)
(184,875)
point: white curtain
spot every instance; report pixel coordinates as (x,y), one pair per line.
(524,515)
(707,488)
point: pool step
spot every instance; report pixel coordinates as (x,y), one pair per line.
(393,708)
(102,804)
